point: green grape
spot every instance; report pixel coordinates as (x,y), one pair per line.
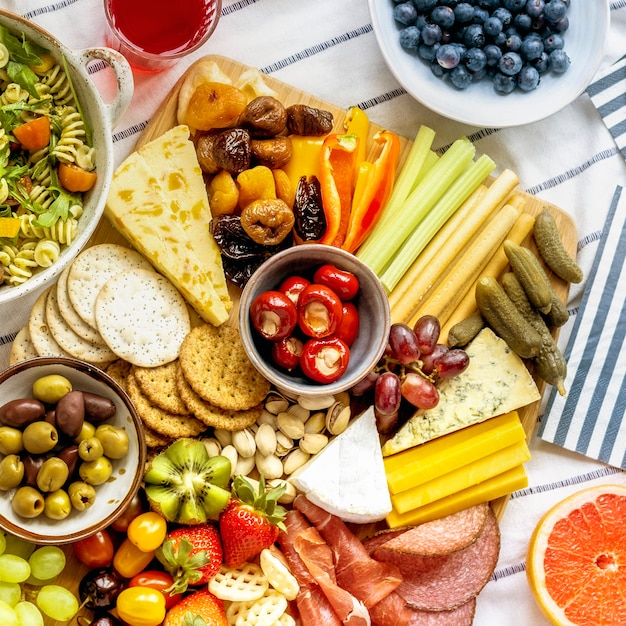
(57,603)
(8,616)
(3,542)
(28,614)
(47,562)
(13,569)
(19,547)
(10,593)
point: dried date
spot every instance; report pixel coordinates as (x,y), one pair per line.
(308,210)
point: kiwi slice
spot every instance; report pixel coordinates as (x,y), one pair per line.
(186,485)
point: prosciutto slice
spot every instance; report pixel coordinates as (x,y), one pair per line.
(356,571)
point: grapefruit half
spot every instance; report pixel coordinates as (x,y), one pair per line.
(576,562)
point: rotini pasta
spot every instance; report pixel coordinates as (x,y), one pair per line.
(62,232)
(21,267)
(47,251)
(71,145)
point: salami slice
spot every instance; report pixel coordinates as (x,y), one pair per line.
(461,616)
(445,582)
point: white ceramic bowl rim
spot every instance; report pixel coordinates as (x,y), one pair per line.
(479,105)
(102,117)
(112,497)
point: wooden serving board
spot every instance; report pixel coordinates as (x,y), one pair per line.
(165,118)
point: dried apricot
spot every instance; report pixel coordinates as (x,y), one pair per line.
(215,105)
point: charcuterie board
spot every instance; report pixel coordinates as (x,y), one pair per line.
(165,118)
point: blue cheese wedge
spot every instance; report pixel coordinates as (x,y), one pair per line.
(495,382)
(158,202)
(333,478)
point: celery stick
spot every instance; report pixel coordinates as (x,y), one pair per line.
(443,209)
(380,247)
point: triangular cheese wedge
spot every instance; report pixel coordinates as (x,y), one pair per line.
(495,382)
(347,478)
(158,201)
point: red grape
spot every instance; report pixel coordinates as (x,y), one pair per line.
(427,329)
(386,423)
(403,343)
(387,396)
(419,391)
(365,384)
(452,363)
(429,360)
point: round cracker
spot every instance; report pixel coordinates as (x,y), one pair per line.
(92,268)
(119,370)
(142,317)
(69,314)
(215,364)
(22,347)
(164,423)
(72,343)
(158,384)
(40,335)
(212,415)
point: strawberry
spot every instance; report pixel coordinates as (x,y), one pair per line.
(201,608)
(251,521)
(192,555)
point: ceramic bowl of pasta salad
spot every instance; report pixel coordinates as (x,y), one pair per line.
(56,152)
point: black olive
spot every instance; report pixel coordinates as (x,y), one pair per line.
(99,588)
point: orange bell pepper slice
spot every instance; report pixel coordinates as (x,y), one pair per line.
(33,135)
(373,188)
(337,172)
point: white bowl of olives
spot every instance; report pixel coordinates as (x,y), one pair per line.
(72,450)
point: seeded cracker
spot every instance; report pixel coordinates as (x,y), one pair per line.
(22,347)
(162,422)
(40,335)
(212,415)
(119,370)
(216,366)
(158,384)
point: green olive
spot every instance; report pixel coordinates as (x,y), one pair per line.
(87,430)
(52,475)
(82,495)
(114,440)
(27,502)
(10,440)
(50,389)
(57,505)
(96,472)
(11,472)
(40,437)
(90,449)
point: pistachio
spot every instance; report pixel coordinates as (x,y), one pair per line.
(337,418)
(290,425)
(267,418)
(316,403)
(244,443)
(225,437)
(290,490)
(230,452)
(342,396)
(270,466)
(265,439)
(244,466)
(295,459)
(212,445)
(312,443)
(283,444)
(300,412)
(277,405)
(316,423)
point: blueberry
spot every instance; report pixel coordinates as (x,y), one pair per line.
(513,43)
(500,39)
(428,53)
(558,61)
(541,64)
(410,37)
(503,83)
(431,34)
(443,16)
(535,8)
(490,5)
(510,63)
(504,15)
(475,60)
(464,12)
(460,77)
(449,3)
(493,54)
(474,36)
(555,10)
(561,25)
(531,48)
(437,70)
(553,41)
(528,78)
(523,22)
(448,56)
(424,5)
(492,26)
(514,5)
(405,13)
(480,15)
(421,21)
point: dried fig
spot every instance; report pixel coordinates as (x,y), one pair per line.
(272,153)
(306,120)
(264,116)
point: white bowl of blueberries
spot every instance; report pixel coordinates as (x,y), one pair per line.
(492,63)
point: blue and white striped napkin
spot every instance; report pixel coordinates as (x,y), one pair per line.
(591,418)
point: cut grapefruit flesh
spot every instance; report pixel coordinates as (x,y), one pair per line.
(576,562)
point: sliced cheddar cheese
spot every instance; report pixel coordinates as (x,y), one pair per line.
(495,382)
(440,456)
(158,202)
(493,488)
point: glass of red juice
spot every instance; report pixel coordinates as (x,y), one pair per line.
(154,34)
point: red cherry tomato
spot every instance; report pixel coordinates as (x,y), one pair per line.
(345,284)
(350,322)
(157,579)
(286,353)
(135,507)
(94,551)
(292,286)
(273,315)
(319,311)
(325,360)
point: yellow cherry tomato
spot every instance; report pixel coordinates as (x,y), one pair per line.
(130,560)
(141,606)
(147,531)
